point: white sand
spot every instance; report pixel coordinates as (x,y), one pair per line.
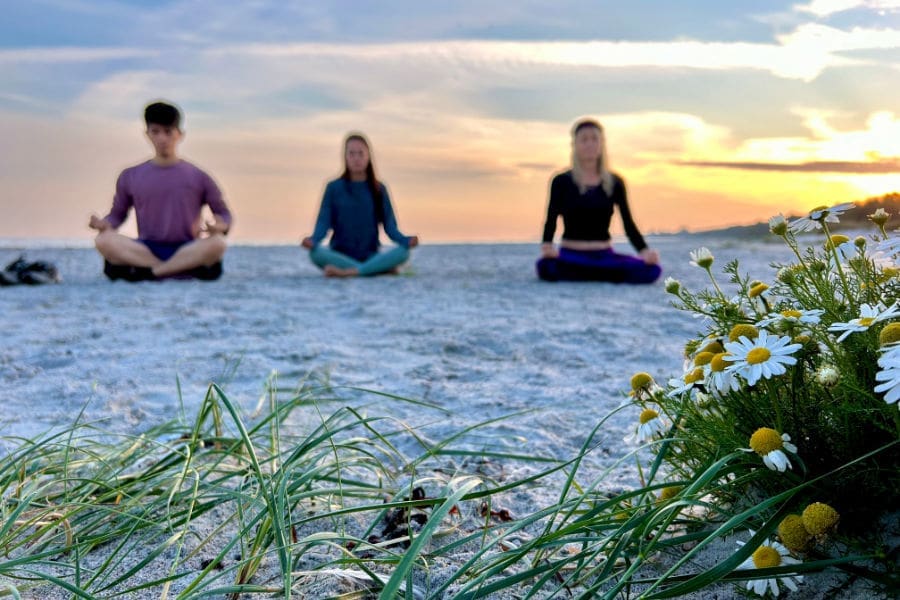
(468,328)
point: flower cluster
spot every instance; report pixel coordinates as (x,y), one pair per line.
(814,351)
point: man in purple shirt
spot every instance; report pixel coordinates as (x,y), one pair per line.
(167,195)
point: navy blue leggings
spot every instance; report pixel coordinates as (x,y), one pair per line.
(596,265)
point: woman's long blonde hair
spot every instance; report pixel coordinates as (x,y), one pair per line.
(606,178)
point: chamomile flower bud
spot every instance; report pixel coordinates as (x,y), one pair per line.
(702,258)
(743,330)
(673,286)
(690,347)
(778,224)
(827,376)
(890,334)
(793,534)
(819,518)
(667,493)
(860,242)
(880,217)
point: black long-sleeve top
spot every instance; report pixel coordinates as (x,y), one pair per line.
(586,217)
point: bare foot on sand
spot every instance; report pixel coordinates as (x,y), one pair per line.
(333,271)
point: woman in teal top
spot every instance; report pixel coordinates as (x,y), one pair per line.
(352,208)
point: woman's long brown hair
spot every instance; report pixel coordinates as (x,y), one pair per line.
(371,181)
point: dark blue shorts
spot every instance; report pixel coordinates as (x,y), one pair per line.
(163,250)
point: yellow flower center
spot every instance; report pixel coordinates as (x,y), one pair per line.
(791,313)
(836,240)
(818,518)
(703,358)
(792,533)
(718,362)
(648,414)
(743,329)
(890,272)
(757,289)
(765,440)
(802,339)
(866,321)
(669,492)
(694,376)
(640,381)
(714,346)
(758,355)
(890,334)
(765,557)
(817,209)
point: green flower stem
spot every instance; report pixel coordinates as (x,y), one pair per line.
(715,285)
(773,398)
(837,261)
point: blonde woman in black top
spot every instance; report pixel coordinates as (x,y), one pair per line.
(585,197)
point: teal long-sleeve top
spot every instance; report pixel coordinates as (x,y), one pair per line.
(349,212)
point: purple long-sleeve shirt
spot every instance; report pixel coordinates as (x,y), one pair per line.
(166,200)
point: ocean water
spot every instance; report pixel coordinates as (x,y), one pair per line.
(468,329)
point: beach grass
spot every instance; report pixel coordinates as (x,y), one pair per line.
(230,506)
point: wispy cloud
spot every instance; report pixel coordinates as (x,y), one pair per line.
(796,57)
(825,8)
(881,166)
(71,54)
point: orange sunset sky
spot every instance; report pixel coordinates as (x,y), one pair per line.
(717,113)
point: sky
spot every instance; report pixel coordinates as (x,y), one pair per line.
(716,113)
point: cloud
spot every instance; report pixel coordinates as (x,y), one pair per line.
(794,58)
(889,165)
(72,54)
(826,8)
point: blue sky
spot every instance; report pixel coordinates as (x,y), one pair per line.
(468,105)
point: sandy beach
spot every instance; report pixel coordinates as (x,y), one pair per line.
(467,328)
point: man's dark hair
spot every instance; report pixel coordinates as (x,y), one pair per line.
(162,113)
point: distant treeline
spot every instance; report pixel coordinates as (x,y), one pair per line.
(857,218)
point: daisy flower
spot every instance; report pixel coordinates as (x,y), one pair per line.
(764,357)
(768,555)
(792,316)
(702,258)
(643,386)
(889,375)
(766,442)
(690,379)
(819,215)
(651,425)
(890,245)
(868,315)
(846,248)
(721,380)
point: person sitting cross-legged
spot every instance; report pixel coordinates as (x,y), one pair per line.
(352,208)
(167,194)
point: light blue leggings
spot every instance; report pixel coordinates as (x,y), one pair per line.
(380,262)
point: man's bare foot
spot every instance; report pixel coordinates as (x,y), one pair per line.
(333,271)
